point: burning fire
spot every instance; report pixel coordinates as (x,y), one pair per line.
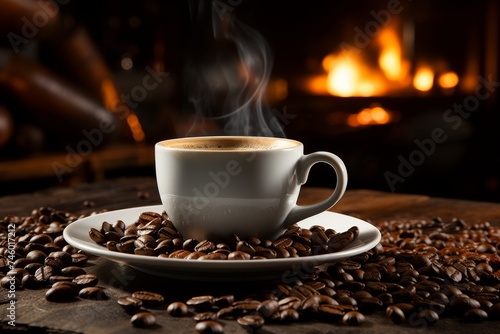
(351,74)
(374,115)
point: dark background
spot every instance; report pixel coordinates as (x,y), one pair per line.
(299,36)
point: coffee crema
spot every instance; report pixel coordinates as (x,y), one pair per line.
(229,143)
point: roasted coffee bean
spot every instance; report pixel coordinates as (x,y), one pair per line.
(146,251)
(149,299)
(178,309)
(209,327)
(353,318)
(53,262)
(395,314)
(10,282)
(97,236)
(330,313)
(143,319)
(205,246)
(148,216)
(92,292)
(226,313)
(268,308)
(246,306)
(72,271)
(224,301)
(475,315)
(86,280)
(289,302)
(245,247)
(79,259)
(145,241)
(179,254)
(302,250)
(60,293)
(195,255)
(72,285)
(36,256)
(18,273)
(44,273)
(58,278)
(282,242)
(201,303)
(130,304)
(340,241)
(213,256)
(289,315)
(461,304)
(43,239)
(203,316)
(252,322)
(126,246)
(29,282)
(429,316)
(238,255)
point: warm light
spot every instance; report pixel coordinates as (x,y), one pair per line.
(352,120)
(448,80)
(328,62)
(380,115)
(342,79)
(391,60)
(374,115)
(364,116)
(424,79)
(111,101)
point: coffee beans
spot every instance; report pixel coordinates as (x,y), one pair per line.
(61,293)
(422,270)
(177,309)
(149,299)
(158,237)
(143,319)
(209,327)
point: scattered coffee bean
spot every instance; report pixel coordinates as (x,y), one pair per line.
(209,327)
(475,315)
(143,319)
(429,316)
(149,299)
(251,322)
(130,304)
(177,309)
(92,292)
(427,268)
(395,314)
(86,280)
(60,293)
(353,318)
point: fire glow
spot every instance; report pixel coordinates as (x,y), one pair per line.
(351,73)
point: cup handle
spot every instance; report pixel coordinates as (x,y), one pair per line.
(302,169)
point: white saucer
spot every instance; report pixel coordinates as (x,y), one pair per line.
(77,234)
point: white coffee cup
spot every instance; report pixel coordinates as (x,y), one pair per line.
(213,187)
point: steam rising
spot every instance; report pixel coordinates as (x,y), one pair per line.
(226,80)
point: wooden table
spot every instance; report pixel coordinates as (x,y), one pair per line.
(33,312)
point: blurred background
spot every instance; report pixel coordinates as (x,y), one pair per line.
(405,92)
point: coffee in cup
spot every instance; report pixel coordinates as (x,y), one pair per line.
(214,187)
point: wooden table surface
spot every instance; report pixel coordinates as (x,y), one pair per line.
(34,313)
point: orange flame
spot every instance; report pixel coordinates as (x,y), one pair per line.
(352,74)
(374,115)
(424,79)
(110,99)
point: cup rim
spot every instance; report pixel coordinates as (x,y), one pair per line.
(289,143)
